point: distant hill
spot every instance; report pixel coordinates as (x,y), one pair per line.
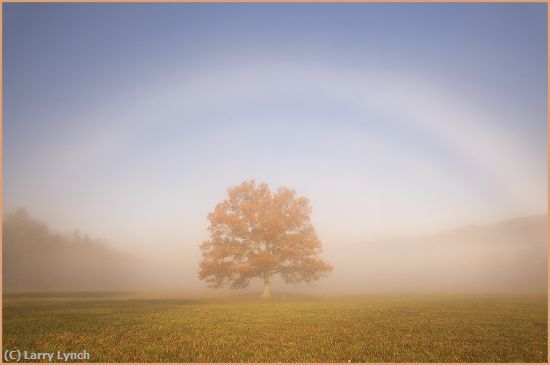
(35,258)
(524,231)
(506,256)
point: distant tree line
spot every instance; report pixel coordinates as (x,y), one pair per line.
(35,258)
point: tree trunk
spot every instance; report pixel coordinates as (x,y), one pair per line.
(266,294)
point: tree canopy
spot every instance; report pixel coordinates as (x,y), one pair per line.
(255,233)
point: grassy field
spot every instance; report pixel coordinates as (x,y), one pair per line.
(412,328)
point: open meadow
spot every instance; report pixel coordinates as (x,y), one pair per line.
(377,328)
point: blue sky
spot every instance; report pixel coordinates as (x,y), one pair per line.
(129,121)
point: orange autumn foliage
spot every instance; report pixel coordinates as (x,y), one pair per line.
(255,233)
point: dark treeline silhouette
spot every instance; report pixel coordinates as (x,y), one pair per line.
(35,258)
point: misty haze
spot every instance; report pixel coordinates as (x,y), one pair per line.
(508,256)
(343,182)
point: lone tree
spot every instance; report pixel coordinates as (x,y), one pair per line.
(255,233)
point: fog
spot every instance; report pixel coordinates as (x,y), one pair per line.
(507,256)
(35,258)
(419,150)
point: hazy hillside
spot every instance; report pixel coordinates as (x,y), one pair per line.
(505,256)
(35,258)
(508,256)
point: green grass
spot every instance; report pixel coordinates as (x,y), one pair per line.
(411,328)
